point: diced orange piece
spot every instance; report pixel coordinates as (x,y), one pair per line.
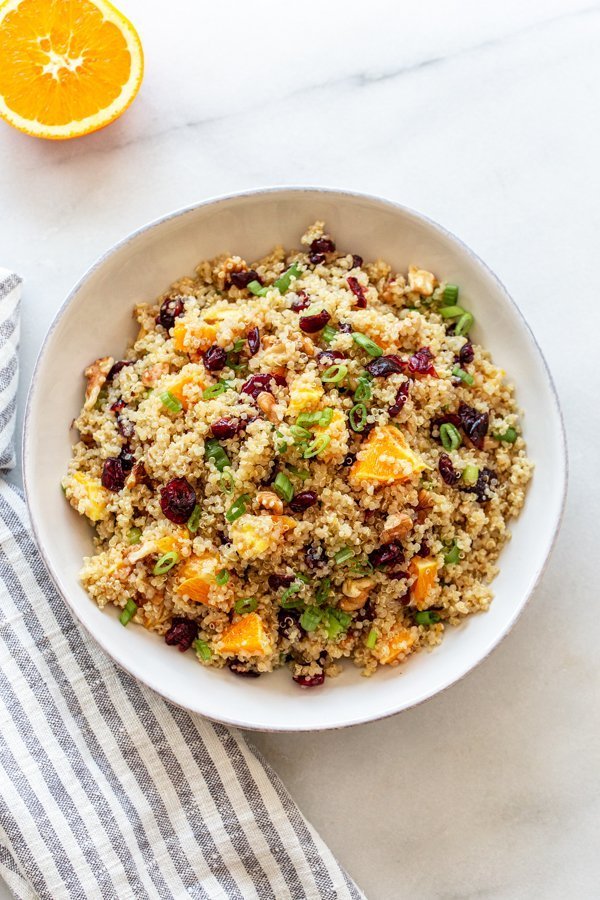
(397,645)
(246,636)
(171,542)
(338,433)
(386,458)
(424,569)
(177,386)
(203,335)
(254,535)
(198,576)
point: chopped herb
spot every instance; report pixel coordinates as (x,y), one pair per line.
(300,435)
(367,344)
(134,535)
(170,402)
(324,591)
(450,295)
(227,482)
(317,446)
(194,520)
(214,451)
(302,474)
(128,612)
(256,288)
(509,436)
(343,555)
(222,577)
(470,475)
(283,282)
(328,333)
(450,436)
(237,508)
(452,555)
(283,486)
(334,374)
(215,390)
(311,618)
(358,417)
(427,617)
(245,605)
(202,649)
(371,638)
(464,376)
(166,563)
(464,324)
(452,312)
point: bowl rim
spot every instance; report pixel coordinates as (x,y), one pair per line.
(256,192)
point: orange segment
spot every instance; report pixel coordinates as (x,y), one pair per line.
(424,569)
(185,378)
(386,458)
(68,67)
(199,575)
(189,337)
(247,636)
(396,647)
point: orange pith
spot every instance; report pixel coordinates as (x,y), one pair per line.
(68,66)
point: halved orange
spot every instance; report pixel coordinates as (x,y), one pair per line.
(67,67)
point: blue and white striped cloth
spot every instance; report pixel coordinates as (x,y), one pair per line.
(106,790)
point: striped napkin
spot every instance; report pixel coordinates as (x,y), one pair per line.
(106,790)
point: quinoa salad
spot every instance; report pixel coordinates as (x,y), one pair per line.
(299,460)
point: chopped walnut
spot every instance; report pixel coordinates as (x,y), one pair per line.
(96,376)
(154,373)
(396,528)
(356,593)
(266,403)
(138,475)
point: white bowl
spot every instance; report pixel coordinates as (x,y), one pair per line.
(95,320)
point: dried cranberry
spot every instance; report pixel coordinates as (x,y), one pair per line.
(484,488)
(349,459)
(256,384)
(401,398)
(116,368)
(357,261)
(345,327)
(312,324)
(447,470)
(113,474)
(307,681)
(467,354)
(420,363)
(358,292)
(302,301)
(127,458)
(278,581)
(225,428)
(287,622)
(386,365)
(253,341)
(398,575)
(214,358)
(316,258)
(242,668)
(170,310)
(303,501)
(182,633)
(423,549)
(327,358)
(314,556)
(387,554)
(241,280)
(474,424)
(177,500)
(322,245)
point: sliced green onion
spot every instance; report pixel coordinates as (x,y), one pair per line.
(245,605)
(450,436)
(202,649)
(464,376)
(324,591)
(282,447)
(256,288)
(287,600)
(328,333)
(452,555)
(464,324)
(450,294)
(367,344)
(363,390)
(452,312)
(470,475)
(283,486)
(311,617)
(317,446)
(222,577)
(166,563)
(101,398)
(509,436)
(238,345)
(306,419)
(214,451)
(302,474)
(170,402)
(300,435)
(215,390)
(337,623)
(343,555)
(283,282)
(364,568)
(237,508)
(334,374)
(128,612)
(134,535)
(227,482)
(427,617)
(372,638)
(194,520)
(358,417)
(326,416)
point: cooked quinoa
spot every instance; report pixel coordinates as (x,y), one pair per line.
(299,460)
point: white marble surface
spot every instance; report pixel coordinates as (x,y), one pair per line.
(485,117)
